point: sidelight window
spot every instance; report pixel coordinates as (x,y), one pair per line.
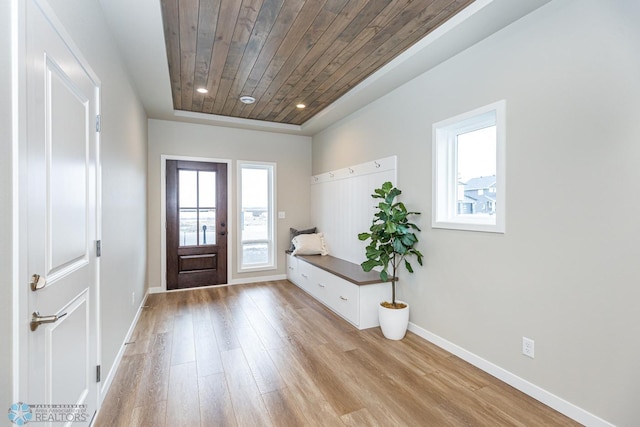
(257,206)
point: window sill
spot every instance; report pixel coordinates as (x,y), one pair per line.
(470,226)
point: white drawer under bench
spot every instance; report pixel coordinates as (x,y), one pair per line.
(340,285)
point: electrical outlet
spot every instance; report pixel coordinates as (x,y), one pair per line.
(528,347)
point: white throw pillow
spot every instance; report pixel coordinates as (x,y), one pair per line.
(309,244)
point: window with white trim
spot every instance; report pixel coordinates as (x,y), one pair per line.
(256,200)
(469,170)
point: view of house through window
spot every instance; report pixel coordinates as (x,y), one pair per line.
(256,215)
(477,172)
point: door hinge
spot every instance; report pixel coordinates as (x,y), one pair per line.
(98,248)
(98,123)
(98,374)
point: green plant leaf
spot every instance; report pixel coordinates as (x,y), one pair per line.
(408,266)
(369,264)
(364,236)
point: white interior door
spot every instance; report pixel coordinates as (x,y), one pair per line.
(62,106)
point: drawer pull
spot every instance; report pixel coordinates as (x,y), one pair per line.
(305,276)
(321,285)
(343,298)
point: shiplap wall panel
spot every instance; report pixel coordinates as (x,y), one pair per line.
(342,206)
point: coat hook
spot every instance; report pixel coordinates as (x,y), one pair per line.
(331,174)
(315,178)
(377,164)
(351,170)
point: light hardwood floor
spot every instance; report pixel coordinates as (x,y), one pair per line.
(267,354)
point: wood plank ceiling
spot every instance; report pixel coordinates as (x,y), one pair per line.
(286,52)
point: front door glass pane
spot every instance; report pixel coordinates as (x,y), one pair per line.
(188,227)
(197,207)
(207,228)
(206,189)
(188,183)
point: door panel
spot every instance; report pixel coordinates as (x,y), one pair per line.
(67,155)
(196,213)
(61,204)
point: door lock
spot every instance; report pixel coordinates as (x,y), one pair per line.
(37,282)
(37,320)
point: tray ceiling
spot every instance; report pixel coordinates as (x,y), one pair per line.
(286,52)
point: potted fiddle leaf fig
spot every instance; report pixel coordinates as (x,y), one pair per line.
(392,241)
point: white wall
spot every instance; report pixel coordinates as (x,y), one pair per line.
(565,273)
(292,154)
(6,225)
(123,141)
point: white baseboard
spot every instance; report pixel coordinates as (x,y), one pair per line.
(258,279)
(570,410)
(160,289)
(106,384)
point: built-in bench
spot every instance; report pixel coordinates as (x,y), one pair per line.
(344,269)
(340,285)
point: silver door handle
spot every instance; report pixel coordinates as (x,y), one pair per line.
(37,320)
(37,282)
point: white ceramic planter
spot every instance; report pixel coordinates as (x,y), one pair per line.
(394,321)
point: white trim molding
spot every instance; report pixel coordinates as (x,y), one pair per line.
(446,176)
(106,383)
(569,409)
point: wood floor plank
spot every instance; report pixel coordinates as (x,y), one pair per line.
(163,307)
(154,381)
(363,417)
(264,372)
(215,402)
(152,415)
(284,409)
(183,348)
(522,407)
(208,359)
(368,372)
(269,354)
(120,400)
(245,396)
(330,379)
(223,325)
(332,328)
(183,403)
(267,334)
(304,390)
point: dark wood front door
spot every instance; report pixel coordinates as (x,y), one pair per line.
(196,224)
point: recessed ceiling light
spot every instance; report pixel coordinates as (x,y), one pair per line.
(301,105)
(247,99)
(202,90)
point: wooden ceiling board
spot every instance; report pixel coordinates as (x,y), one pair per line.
(328,40)
(247,81)
(283,52)
(268,86)
(365,61)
